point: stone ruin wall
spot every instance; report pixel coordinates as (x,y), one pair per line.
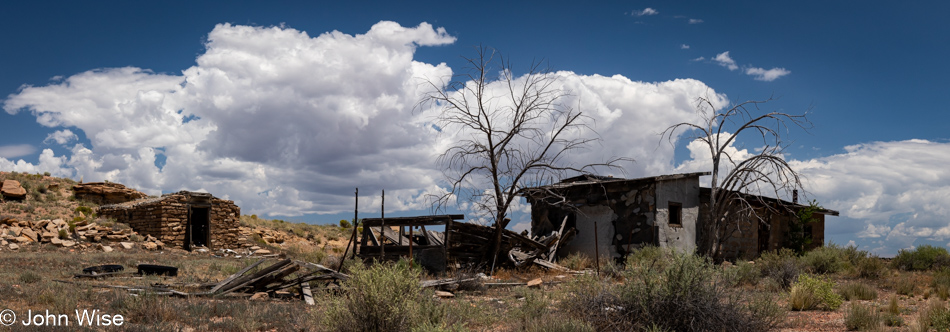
(633,207)
(167,219)
(225,216)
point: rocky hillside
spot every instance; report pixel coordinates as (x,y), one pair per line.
(38,210)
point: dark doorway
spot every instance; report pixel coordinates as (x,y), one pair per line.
(199,225)
(764,234)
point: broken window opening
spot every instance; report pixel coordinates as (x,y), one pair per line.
(676,214)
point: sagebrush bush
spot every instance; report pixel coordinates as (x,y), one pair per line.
(384,297)
(824,260)
(904,285)
(576,261)
(857,291)
(870,267)
(860,317)
(811,293)
(744,273)
(782,266)
(922,258)
(661,289)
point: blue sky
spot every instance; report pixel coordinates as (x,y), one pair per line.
(870,75)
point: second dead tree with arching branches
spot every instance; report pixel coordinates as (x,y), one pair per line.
(513,133)
(732,195)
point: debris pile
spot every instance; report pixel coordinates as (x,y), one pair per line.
(461,244)
(276,280)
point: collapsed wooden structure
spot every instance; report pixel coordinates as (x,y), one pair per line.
(460,244)
(276,277)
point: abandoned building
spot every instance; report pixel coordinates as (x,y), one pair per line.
(460,244)
(612,216)
(186,219)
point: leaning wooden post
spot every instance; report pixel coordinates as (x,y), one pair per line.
(356,220)
(352,237)
(596,249)
(410,246)
(382,226)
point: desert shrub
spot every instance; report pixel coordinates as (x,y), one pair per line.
(29,277)
(345,223)
(941,283)
(892,319)
(534,306)
(904,286)
(933,316)
(306,252)
(556,324)
(783,266)
(661,288)
(63,234)
(870,267)
(84,210)
(921,258)
(860,317)
(824,260)
(576,261)
(744,273)
(857,291)
(384,297)
(811,293)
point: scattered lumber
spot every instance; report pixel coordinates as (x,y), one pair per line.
(271,279)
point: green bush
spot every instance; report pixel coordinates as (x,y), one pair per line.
(811,293)
(744,273)
(661,289)
(824,260)
(922,258)
(782,266)
(345,223)
(857,291)
(860,317)
(871,267)
(904,286)
(384,297)
(576,261)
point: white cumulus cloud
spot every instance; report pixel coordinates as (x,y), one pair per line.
(61,137)
(723,59)
(645,12)
(766,75)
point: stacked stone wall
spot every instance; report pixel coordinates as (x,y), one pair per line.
(225,217)
(167,219)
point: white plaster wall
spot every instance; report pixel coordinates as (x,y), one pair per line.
(584,241)
(685,191)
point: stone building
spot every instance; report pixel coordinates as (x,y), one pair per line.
(768,225)
(665,211)
(186,219)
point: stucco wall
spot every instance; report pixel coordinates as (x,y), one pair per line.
(685,192)
(584,241)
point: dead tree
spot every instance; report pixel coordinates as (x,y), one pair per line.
(745,180)
(512,133)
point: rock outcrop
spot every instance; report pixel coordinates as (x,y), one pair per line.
(106,193)
(12,190)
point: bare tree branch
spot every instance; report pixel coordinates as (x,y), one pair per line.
(516,133)
(764,174)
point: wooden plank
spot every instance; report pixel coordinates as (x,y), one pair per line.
(241,282)
(235,276)
(307,295)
